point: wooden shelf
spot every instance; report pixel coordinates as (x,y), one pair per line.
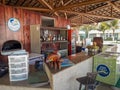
(62,41)
(53,28)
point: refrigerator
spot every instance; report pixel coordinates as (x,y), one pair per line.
(108,67)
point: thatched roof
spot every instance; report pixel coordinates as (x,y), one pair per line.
(78,11)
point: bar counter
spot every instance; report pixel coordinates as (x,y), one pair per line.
(74,58)
(82,63)
(65,78)
(52,74)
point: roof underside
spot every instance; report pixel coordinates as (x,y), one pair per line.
(78,11)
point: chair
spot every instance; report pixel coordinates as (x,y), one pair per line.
(89,81)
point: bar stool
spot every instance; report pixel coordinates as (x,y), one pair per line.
(88,80)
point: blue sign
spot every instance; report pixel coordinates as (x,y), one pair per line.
(103,70)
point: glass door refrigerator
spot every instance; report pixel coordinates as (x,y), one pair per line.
(72,42)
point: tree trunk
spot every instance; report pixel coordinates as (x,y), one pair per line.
(113,34)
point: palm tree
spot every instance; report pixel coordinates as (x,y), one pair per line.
(87,28)
(114,24)
(102,27)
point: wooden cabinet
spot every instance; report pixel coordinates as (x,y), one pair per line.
(53,38)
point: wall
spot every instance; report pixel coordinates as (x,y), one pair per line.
(26,19)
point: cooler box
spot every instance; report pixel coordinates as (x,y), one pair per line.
(108,67)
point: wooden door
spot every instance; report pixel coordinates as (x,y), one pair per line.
(35,38)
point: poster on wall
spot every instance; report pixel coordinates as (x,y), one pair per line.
(13,24)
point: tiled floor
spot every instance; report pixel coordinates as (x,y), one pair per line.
(103,87)
(106,87)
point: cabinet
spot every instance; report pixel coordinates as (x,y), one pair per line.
(35,38)
(53,38)
(18,67)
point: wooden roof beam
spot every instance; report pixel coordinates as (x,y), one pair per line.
(93,10)
(35,9)
(88,14)
(98,8)
(51,3)
(88,2)
(22,2)
(67,2)
(41,2)
(3,2)
(114,6)
(64,13)
(50,7)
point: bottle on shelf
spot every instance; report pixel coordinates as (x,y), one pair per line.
(49,38)
(59,38)
(44,38)
(54,38)
(41,39)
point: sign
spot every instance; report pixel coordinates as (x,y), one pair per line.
(13,24)
(103,70)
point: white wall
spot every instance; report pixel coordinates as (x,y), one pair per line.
(66,79)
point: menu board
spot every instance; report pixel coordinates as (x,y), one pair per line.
(18,67)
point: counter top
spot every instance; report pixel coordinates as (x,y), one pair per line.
(74,58)
(114,49)
(78,57)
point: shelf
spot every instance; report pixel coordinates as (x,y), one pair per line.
(54,38)
(53,28)
(54,42)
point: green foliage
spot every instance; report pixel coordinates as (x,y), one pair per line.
(114,24)
(108,39)
(87,28)
(103,26)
